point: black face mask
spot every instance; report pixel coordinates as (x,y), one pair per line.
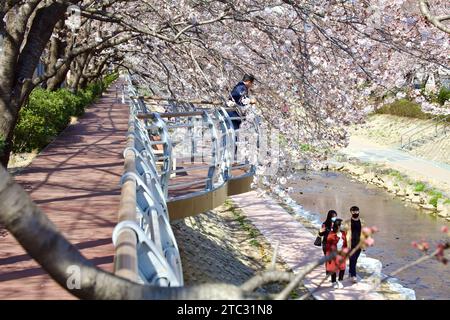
(355,215)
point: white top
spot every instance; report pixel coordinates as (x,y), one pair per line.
(340,243)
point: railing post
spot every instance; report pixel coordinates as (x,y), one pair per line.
(167,153)
(225,156)
(232,135)
(214,151)
(192,138)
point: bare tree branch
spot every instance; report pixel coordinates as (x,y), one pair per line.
(436,21)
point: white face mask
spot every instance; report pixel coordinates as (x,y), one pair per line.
(333,219)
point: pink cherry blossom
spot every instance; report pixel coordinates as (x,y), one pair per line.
(369,242)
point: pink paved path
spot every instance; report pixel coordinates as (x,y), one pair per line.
(75,181)
(296,246)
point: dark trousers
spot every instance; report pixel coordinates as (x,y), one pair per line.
(236,123)
(353,261)
(341,276)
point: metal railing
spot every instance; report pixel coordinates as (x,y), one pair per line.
(146,249)
(413,135)
(217,132)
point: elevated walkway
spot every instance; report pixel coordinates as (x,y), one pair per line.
(181,159)
(114,175)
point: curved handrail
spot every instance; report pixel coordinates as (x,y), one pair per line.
(146,249)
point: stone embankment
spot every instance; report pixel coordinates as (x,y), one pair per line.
(388,130)
(222,245)
(413,192)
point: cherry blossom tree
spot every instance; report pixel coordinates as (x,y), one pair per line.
(320,65)
(329,61)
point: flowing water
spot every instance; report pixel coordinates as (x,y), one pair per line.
(399,225)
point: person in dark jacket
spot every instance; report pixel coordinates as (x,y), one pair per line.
(355,229)
(327,225)
(238,94)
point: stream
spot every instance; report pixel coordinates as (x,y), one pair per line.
(399,225)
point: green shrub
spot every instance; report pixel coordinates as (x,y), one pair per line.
(419,187)
(443,95)
(47,113)
(110,78)
(433,201)
(404,108)
(95,88)
(43,117)
(32,131)
(435,193)
(255,243)
(306,147)
(396,174)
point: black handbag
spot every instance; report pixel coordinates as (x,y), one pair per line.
(318,241)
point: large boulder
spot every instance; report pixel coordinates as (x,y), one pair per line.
(444,209)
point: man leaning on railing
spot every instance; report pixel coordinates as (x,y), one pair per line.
(239,99)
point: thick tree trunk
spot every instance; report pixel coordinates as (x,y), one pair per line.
(57,81)
(17,67)
(76,73)
(82,84)
(8,120)
(58,50)
(40,32)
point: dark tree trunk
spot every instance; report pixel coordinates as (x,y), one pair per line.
(58,50)
(76,72)
(58,80)
(82,83)
(17,67)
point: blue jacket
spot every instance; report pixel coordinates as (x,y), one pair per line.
(239,92)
